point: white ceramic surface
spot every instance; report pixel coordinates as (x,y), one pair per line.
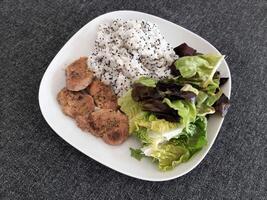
(118,157)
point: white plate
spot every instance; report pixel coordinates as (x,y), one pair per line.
(118,157)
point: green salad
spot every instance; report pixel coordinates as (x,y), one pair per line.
(169,116)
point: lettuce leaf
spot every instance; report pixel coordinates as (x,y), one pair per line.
(127,105)
(132,109)
(138,118)
(189,88)
(161,125)
(149,82)
(189,66)
(152,123)
(198,139)
(198,70)
(168,155)
(186,110)
(143,136)
(214,85)
(177,150)
(205,101)
(137,153)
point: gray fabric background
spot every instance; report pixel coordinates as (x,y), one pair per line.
(35,163)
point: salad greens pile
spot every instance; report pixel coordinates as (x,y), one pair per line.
(169,117)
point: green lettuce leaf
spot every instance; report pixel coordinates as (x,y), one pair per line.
(152,123)
(178,150)
(186,110)
(190,131)
(189,66)
(195,81)
(204,102)
(138,118)
(201,104)
(214,85)
(143,136)
(168,155)
(137,153)
(198,139)
(189,88)
(149,82)
(127,105)
(198,70)
(132,109)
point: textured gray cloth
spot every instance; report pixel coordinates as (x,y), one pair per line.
(35,163)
